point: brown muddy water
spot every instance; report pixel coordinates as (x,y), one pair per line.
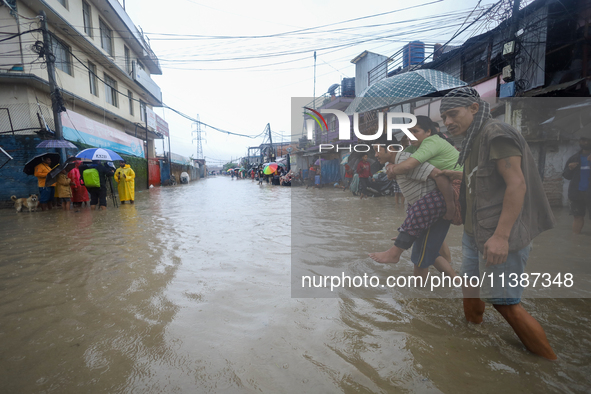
(189,291)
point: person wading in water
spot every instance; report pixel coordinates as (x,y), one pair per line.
(504,207)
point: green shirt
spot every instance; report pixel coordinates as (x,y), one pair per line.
(437,152)
(500,148)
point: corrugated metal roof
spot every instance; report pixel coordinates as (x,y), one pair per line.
(553,88)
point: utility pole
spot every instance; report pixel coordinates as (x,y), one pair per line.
(514,18)
(270,143)
(56,98)
(513,31)
(314,98)
(511,49)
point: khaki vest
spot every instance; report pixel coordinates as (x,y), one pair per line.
(536,215)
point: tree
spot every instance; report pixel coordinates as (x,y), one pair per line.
(227,166)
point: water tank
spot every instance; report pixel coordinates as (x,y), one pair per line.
(437,51)
(348,87)
(413,53)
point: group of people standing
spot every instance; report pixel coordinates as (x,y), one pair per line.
(85,184)
(492,187)
(280,177)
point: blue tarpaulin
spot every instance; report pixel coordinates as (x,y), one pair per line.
(330,171)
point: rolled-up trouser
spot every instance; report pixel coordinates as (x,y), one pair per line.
(500,284)
(419,217)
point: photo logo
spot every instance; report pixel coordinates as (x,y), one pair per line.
(310,122)
(345,126)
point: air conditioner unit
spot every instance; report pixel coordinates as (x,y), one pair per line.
(507,73)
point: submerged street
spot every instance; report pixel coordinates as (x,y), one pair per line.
(189,291)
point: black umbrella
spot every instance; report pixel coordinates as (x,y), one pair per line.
(29,168)
(52,176)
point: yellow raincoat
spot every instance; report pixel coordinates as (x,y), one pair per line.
(125,184)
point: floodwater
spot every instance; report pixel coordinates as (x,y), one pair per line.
(189,291)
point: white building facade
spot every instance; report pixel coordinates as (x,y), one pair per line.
(103,70)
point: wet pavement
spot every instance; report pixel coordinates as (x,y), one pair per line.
(189,291)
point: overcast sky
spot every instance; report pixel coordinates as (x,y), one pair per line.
(205,75)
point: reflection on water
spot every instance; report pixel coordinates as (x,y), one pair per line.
(189,291)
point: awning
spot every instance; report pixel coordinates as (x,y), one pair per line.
(573,121)
(553,88)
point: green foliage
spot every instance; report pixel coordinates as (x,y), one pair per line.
(140,167)
(230,165)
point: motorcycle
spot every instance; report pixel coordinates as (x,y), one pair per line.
(380,186)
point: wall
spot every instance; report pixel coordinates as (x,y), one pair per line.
(86,48)
(13,181)
(10,48)
(363,67)
(192,171)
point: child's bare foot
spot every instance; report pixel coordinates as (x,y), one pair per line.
(390,256)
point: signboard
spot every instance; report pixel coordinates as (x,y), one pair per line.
(151,118)
(77,127)
(161,126)
(179,159)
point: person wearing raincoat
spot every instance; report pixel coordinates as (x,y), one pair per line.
(125,178)
(63,190)
(79,192)
(45,193)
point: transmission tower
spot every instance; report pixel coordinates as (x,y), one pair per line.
(198,138)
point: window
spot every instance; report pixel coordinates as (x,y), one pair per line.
(127,61)
(92,79)
(140,65)
(475,65)
(87,18)
(62,55)
(63,2)
(130,97)
(142,111)
(111,90)
(106,37)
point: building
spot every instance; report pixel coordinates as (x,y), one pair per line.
(550,76)
(103,66)
(306,152)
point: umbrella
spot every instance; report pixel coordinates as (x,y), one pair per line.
(29,168)
(402,88)
(52,176)
(572,120)
(98,154)
(282,164)
(345,159)
(56,144)
(317,162)
(270,168)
